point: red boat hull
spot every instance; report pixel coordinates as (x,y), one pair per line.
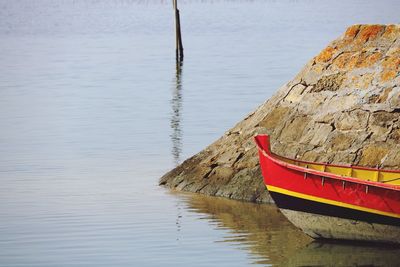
(299,192)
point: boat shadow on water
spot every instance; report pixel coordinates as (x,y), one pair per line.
(271,239)
(319,253)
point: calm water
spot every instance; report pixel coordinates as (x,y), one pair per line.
(93,112)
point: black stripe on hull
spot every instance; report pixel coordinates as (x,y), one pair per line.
(299,204)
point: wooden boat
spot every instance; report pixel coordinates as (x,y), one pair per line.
(333,201)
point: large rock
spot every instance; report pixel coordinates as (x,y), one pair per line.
(343,107)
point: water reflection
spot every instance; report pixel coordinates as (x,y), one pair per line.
(344,254)
(176,103)
(272,240)
(260,229)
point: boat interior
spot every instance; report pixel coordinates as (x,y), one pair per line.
(391,177)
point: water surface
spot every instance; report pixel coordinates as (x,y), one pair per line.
(93,111)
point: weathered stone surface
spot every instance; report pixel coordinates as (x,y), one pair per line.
(374,154)
(331,82)
(352,120)
(342,107)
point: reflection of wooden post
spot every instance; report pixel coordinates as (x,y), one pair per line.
(176,117)
(178,36)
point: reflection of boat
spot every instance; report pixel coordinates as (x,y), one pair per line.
(332,201)
(340,255)
(261,230)
(271,240)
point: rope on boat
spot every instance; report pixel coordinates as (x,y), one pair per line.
(395,179)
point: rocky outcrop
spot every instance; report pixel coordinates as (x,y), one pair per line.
(343,107)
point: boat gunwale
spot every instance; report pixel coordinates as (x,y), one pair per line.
(272,156)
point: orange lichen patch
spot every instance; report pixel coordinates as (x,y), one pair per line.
(368,60)
(392,63)
(387,75)
(391,32)
(394,51)
(352,63)
(362,82)
(325,54)
(352,31)
(369,32)
(346,61)
(349,61)
(343,44)
(340,61)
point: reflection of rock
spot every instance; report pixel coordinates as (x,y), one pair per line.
(271,239)
(343,107)
(340,255)
(261,229)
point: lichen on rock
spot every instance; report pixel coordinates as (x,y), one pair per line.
(343,107)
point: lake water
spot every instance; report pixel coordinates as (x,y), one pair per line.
(93,112)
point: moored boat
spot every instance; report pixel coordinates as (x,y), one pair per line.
(333,201)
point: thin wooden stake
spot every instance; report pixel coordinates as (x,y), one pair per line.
(178,35)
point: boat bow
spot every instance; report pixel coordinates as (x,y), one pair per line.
(319,197)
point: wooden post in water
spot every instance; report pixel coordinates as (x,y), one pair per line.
(178,36)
